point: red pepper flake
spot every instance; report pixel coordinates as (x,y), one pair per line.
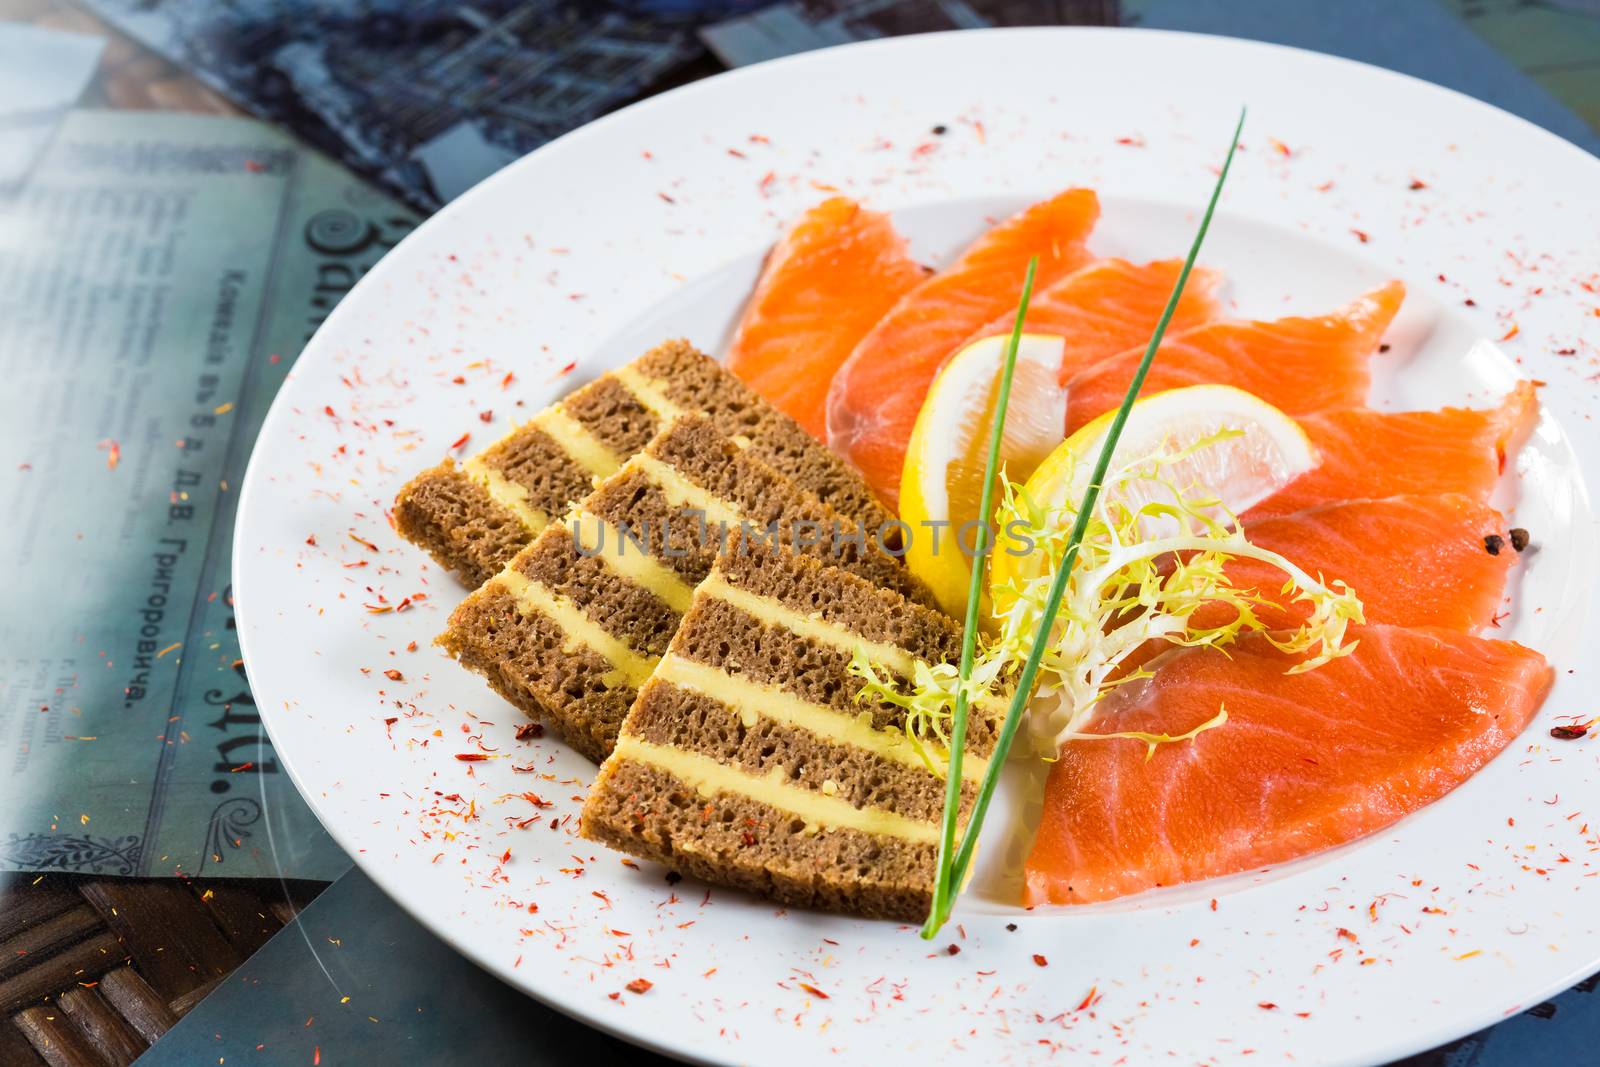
(530,729)
(1279,147)
(953,950)
(813,990)
(639,986)
(1213,903)
(766,182)
(507,857)
(358,539)
(667,198)
(564,371)
(1266,1005)
(505,383)
(461,441)
(1361,235)
(1131,142)
(459,379)
(316,1055)
(411,646)
(311,539)
(388,725)
(1570,733)
(1346,934)
(1418,183)
(1089,999)
(1509,334)
(394,675)
(471,757)
(1040,961)
(736,154)
(486,415)
(113,453)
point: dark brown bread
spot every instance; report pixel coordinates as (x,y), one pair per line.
(613,415)
(700,383)
(585,695)
(729,840)
(711,697)
(666,714)
(534,460)
(764,497)
(447,514)
(445,511)
(526,659)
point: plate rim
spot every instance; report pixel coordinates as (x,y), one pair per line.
(252,488)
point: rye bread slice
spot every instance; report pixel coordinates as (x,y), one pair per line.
(475,516)
(747,759)
(568,634)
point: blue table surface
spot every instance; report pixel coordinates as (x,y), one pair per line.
(413,1000)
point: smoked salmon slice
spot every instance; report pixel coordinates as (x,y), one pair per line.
(1297,364)
(1413,561)
(824,285)
(1366,453)
(1108,306)
(875,396)
(1305,762)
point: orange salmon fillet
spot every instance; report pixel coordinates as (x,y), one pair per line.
(1297,364)
(1305,762)
(1108,306)
(824,285)
(1413,561)
(875,396)
(1366,453)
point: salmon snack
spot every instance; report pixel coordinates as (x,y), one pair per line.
(1297,364)
(825,284)
(1303,763)
(875,396)
(1367,453)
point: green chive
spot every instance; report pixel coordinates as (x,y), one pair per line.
(1030,668)
(969,637)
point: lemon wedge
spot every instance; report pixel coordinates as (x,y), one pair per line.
(1256,450)
(942,482)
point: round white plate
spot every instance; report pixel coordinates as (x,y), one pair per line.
(651,223)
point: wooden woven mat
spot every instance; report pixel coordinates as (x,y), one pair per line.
(94,970)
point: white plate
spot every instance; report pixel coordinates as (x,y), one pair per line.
(651,223)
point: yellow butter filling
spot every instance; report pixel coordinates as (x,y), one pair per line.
(682,493)
(820,812)
(505,492)
(580,630)
(587,450)
(648,392)
(631,560)
(754,701)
